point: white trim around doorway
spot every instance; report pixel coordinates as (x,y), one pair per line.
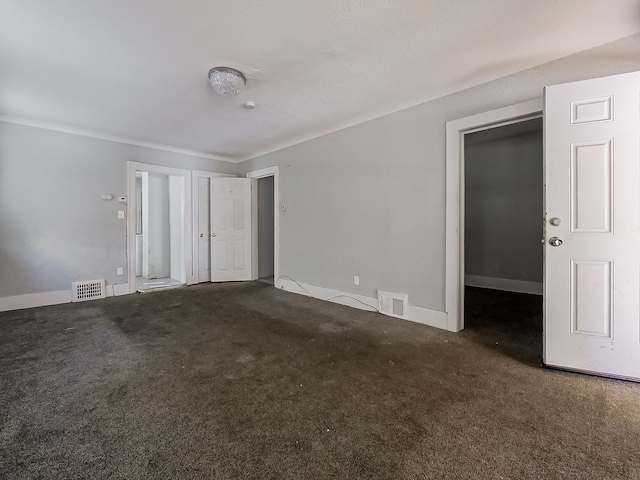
(454,233)
(257,174)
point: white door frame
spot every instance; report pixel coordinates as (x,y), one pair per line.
(132,168)
(195,210)
(257,174)
(454,215)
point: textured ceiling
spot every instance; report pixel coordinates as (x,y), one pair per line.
(136,70)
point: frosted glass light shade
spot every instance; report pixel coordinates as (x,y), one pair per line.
(227,81)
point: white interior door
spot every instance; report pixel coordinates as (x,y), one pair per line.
(592,202)
(231,203)
(204,230)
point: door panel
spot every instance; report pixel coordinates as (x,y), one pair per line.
(231,229)
(591,298)
(204,230)
(591,189)
(592,203)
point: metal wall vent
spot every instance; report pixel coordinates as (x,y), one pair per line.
(394,304)
(88,290)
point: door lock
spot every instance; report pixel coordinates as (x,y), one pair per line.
(555,242)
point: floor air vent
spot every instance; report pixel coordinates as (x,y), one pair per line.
(394,304)
(88,290)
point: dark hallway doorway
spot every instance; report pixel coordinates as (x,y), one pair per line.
(509,322)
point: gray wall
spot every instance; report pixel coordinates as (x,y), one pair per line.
(265,227)
(503,207)
(370,200)
(54,226)
(367,200)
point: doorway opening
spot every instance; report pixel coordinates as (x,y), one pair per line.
(158,248)
(486,124)
(265,230)
(503,207)
(503,211)
(266,225)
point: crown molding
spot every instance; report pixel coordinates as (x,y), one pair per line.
(112,138)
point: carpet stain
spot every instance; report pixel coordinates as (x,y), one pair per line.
(246,358)
(332,328)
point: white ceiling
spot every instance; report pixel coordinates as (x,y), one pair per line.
(136,70)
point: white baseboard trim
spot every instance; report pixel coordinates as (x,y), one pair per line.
(116,290)
(421,315)
(433,318)
(18,302)
(120,289)
(31,300)
(519,286)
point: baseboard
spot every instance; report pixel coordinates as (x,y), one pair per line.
(117,290)
(18,302)
(421,315)
(31,300)
(519,286)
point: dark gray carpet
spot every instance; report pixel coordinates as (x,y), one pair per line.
(245,381)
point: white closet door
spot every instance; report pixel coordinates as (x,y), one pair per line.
(231,229)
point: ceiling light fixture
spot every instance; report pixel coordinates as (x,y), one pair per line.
(227,81)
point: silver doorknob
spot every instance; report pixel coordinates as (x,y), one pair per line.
(555,242)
